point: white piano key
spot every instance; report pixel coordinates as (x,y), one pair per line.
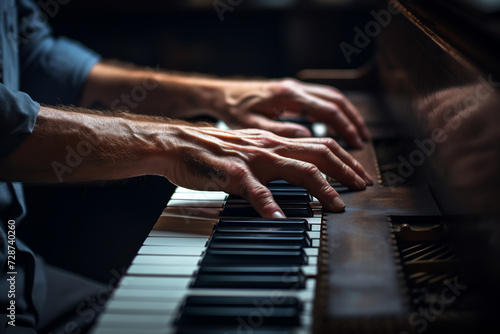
(310,270)
(314,235)
(305,295)
(149,270)
(319,129)
(174,223)
(222,125)
(315,242)
(190,218)
(166,260)
(143,307)
(206,232)
(148,282)
(196,196)
(316,228)
(129,293)
(192,211)
(170,250)
(174,234)
(311,251)
(199,204)
(314,220)
(182,284)
(187,190)
(112,330)
(181,242)
(137,321)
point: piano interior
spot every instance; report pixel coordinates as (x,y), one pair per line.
(417,252)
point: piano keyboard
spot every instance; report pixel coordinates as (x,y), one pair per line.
(210,265)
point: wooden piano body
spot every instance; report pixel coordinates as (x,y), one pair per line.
(417,252)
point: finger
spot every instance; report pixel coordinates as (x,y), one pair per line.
(260,197)
(326,161)
(342,154)
(324,111)
(334,96)
(306,175)
(285,129)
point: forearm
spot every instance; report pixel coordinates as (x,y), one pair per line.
(151,92)
(69,146)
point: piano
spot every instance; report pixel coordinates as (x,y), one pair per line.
(417,252)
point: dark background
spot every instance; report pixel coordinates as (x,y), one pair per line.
(96,229)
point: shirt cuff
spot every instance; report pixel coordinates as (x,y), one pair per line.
(59,75)
(17,119)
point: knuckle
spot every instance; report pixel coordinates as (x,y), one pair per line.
(327,189)
(332,144)
(290,81)
(360,121)
(268,206)
(355,163)
(324,151)
(238,171)
(287,87)
(335,111)
(257,154)
(350,130)
(309,169)
(345,171)
(259,194)
(268,140)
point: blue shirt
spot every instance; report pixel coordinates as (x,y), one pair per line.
(35,67)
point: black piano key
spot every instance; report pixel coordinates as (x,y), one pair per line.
(282,185)
(278,269)
(228,311)
(299,209)
(278,197)
(250,281)
(298,239)
(253,257)
(250,277)
(242,223)
(285,188)
(256,246)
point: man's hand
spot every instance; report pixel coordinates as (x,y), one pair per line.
(242,162)
(259,104)
(239,103)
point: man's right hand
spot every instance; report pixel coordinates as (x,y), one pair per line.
(241,162)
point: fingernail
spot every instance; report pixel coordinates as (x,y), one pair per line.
(278,214)
(359,142)
(360,183)
(368,179)
(338,204)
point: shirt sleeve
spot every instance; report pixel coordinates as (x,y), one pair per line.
(53,70)
(18,114)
